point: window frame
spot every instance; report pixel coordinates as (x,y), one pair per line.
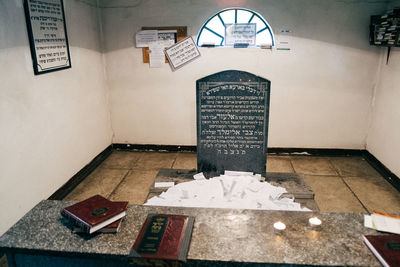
(253,14)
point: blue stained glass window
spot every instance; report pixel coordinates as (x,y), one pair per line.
(213,31)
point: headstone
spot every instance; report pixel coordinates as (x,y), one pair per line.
(232,122)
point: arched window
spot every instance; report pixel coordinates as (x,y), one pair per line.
(214,31)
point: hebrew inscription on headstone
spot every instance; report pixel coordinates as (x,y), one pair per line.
(232,122)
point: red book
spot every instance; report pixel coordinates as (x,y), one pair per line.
(386,248)
(95,213)
(111,228)
(164,237)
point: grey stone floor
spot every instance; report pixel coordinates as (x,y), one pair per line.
(340,184)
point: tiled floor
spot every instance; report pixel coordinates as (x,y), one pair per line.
(340,184)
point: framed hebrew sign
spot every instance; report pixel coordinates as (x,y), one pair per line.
(47,33)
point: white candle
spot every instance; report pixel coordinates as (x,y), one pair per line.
(314,221)
(280,226)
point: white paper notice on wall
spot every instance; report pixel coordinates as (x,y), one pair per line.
(145,38)
(167,37)
(182,53)
(156,56)
(284,39)
(240,33)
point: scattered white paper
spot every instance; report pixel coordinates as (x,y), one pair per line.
(199,176)
(227,191)
(145,38)
(164,184)
(385,223)
(157,57)
(382,222)
(368,221)
(237,173)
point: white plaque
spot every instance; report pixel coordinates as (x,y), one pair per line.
(182,53)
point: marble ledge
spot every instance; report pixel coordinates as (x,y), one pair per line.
(219,236)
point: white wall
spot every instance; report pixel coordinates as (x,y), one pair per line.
(321,90)
(384,135)
(53,124)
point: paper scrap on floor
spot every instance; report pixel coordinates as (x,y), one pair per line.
(232,190)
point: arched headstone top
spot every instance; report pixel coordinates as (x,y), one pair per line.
(233,76)
(232,122)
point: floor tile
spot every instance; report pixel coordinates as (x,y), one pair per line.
(332,194)
(101,181)
(121,160)
(186,160)
(279,164)
(155,160)
(135,187)
(375,193)
(353,166)
(313,165)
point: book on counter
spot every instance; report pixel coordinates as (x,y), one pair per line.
(386,248)
(95,213)
(111,228)
(164,237)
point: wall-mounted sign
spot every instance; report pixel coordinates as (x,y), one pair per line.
(182,53)
(240,34)
(47,35)
(284,39)
(165,38)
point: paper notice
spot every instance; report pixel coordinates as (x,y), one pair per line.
(284,40)
(157,56)
(167,37)
(145,38)
(182,53)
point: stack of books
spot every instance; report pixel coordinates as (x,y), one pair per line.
(96,214)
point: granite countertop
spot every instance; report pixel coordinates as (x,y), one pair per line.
(219,235)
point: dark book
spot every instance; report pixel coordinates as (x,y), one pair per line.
(386,248)
(95,213)
(164,237)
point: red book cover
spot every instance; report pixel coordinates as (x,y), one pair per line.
(95,213)
(386,248)
(164,236)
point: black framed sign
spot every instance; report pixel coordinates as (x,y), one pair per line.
(47,33)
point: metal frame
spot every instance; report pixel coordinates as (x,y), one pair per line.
(254,14)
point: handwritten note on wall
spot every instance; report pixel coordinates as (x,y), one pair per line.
(47,35)
(182,53)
